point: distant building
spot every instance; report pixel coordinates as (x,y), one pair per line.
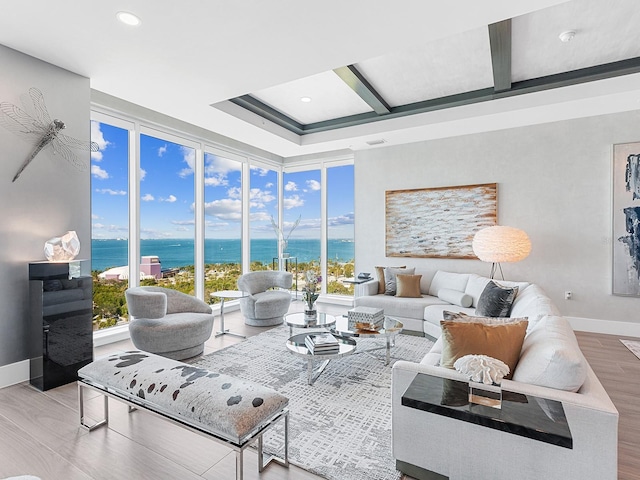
(150,268)
(150,265)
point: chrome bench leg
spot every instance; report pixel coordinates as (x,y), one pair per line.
(239,464)
(272,458)
(83,424)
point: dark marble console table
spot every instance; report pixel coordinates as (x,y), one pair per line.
(525,415)
(60,321)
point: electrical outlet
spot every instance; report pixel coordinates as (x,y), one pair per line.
(568,295)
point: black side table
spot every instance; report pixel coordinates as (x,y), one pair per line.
(525,415)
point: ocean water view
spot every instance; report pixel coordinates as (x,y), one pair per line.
(173,253)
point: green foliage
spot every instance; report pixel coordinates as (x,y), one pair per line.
(110,306)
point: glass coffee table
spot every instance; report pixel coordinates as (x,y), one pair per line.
(300,320)
(390,328)
(297,346)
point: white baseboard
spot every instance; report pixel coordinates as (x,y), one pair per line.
(607,327)
(14,373)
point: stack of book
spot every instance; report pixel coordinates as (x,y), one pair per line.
(319,343)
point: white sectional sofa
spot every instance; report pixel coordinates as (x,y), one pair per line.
(551,366)
(424,314)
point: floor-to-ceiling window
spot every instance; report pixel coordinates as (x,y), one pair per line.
(301,207)
(150,188)
(263,214)
(223,223)
(167,214)
(110,223)
(340,237)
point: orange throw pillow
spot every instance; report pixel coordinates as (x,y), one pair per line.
(503,341)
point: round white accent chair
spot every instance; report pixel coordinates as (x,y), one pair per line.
(265,307)
(168,322)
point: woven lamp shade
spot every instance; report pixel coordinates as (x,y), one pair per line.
(501,244)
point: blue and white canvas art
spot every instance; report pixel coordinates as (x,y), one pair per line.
(626,219)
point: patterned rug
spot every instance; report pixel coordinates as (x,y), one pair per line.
(633,346)
(340,427)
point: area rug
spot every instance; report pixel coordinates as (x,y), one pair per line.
(340,427)
(633,346)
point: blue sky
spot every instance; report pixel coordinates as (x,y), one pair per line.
(167,193)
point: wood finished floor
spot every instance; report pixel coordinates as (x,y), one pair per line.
(39,433)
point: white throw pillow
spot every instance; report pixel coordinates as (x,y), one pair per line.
(475,287)
(551,356)
(452,281)
(454,297)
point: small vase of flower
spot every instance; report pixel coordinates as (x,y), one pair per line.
(310,292)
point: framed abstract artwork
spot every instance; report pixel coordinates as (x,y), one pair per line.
(438,222)
(626,219)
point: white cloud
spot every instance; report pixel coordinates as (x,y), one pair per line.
(94,216)
(189,157)
(347,219)
(292,202)
(214,165)
(143,173)
(98,137)
(313,185)
(268,185)
(98,172)
(169,199)
(261,216)
(225,209)
(110,228)
(216,181)
(212,225)
(110,191)
(147,198)
(183,222)
(260,198)
(234,192)
(262,172)
(162,150)
(291,187)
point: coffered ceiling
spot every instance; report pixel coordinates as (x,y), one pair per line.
(379,71)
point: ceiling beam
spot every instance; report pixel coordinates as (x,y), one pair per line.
(265,111)
(354,79)
(574,77)
(500,42)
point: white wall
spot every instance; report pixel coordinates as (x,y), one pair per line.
(49,198)
(554,182)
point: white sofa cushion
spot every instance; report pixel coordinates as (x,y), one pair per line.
(452,281)
(400,307)
(533,303)
(475,287)
(551,356)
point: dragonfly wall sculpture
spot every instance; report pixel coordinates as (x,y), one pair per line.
(42,130)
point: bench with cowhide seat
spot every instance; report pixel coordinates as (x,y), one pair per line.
(227,409)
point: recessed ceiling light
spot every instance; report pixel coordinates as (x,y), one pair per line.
(567,36)
(305,99)
(128,18)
